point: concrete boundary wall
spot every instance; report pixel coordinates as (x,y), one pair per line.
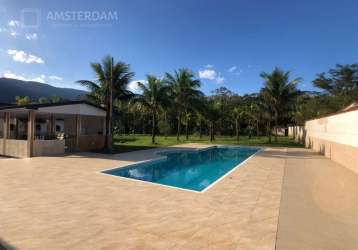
(341,128)
(334,136)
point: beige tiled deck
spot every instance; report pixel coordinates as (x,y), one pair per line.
(63,202)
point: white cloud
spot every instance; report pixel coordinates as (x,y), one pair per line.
(55,78)
(13,33)
(232,69)
(235,70)
(209,66)
(220,79)
(14,29)
(133,86)
(210,73)
(41,78)
(9,74)
(23,57)
(13,23)
(30,36)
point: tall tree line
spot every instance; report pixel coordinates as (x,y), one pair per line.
(174,104)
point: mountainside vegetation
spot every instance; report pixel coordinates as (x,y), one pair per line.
(35,92)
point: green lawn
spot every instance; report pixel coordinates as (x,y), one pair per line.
(126,143)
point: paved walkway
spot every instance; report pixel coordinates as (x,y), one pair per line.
(63,202)
(319,207)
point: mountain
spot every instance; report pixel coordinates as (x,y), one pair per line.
(10,88)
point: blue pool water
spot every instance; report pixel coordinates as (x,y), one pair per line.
(193,170)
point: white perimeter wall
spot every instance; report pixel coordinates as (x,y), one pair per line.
(341,128)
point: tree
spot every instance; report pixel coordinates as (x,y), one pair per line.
(56,99)
(184,91)
(22,100)
(110,84)
(200,119)
(223,98)
(43,100)
(254,117)
(279,93)
(341,83)
(212,116)
(265,113)
(153,99)
(238,113)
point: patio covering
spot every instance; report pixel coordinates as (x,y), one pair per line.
(51,129)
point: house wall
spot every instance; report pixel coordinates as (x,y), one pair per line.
(91,142)
(18,148)
(14,148)
(92,125)
(48,147)
(82,126)
(334,136)
(91,136)
(2,147)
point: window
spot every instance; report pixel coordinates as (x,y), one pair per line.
(38,127)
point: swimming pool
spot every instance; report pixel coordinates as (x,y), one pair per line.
(194,170)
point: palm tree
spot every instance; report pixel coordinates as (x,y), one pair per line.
(238,113)
(265,113)
(185,91)
(110,84)
(279,93)
(253,117)
(212,116)
(152,100)
(200,118)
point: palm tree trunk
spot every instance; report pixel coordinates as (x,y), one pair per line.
(269,131)
(257,128)
(187,127)
(211,131)
(108,138)
(153,128)
(165,122)
(237,129)
(109,134)
(220,126)
(179,125)
(200,131)
(250,128)
(276,129)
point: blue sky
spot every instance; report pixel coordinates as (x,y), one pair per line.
(226,43)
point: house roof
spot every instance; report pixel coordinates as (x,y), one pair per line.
(45,105)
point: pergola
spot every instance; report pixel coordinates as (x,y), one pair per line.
(51,129)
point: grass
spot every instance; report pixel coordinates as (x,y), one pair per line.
(126,143)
